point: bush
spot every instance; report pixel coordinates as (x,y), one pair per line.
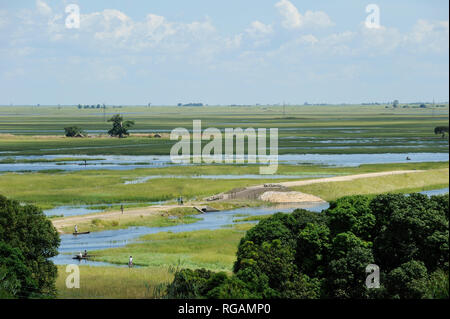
(73,131)
(310,255)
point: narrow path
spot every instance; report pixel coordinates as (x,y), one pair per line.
(60,223)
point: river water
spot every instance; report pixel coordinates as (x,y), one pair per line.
(126,162)
(71,245)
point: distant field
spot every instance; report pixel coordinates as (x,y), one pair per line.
(302,129)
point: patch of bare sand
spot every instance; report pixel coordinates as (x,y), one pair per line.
(289,197)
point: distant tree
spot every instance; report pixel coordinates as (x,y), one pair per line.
(27,241)
(120,127)
(422,106)
(395,103)
(441,130)
(73,131)
(79,106)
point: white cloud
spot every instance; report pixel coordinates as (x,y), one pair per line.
(43,8)
(430,36)
(293,19)
(258,29)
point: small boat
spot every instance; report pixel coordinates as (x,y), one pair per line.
(408,159)
(82,257)
(81,233)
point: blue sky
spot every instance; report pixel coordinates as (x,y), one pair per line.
(223,52)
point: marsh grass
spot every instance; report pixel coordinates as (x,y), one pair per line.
(107,186)
(210,249)
(402,183)
(113,282)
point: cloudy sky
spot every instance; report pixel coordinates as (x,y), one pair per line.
(223,52)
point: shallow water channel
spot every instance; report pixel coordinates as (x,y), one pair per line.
(71,245)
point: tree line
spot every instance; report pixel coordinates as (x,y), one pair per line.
(312,256)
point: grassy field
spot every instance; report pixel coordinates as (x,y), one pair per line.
(302,129)
(210,249)
(403,183)
(111,282)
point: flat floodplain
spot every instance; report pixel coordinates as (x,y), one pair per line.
(100,174)
(338,129)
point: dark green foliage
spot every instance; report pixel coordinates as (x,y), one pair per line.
(310,255)
(441,130)
(73,131)
(27,240)
(120,127)
(15,277)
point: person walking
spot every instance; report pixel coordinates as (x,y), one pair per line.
(121,208)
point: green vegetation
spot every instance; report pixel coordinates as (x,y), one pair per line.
(120,127)
(310,255)
(303,129)
(73,131)
(110,282)
(88,187)
(212,249)
(402,183)
(441,130)
(27,240)
(171,218)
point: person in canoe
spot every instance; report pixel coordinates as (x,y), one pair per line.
(80,256)
(85,253)
(76,229)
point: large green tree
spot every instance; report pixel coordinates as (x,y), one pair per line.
(310,255)
(120,127)
(27,241)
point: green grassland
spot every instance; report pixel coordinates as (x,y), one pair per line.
(158,256)
(111,282)
(302,129)
(107,186)
(210,249)
(403,183)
